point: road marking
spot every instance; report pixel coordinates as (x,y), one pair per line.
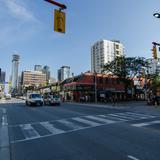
(50,127)
(121,116)
(140,114)
(69,124)
(4,111)
(100,119)
(146,123)
(29,132)
(4,137)
(4,117)
(110,117)
(4,120)
(131,116)
(91,123)
(133,158)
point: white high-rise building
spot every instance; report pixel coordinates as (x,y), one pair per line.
(15,64)
(103,52)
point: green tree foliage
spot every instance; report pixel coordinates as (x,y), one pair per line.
(126,68)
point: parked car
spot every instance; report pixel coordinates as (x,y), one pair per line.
(34,99)
(7,96)
(52,100)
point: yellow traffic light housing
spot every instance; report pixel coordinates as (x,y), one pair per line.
(59,21)
(154,52)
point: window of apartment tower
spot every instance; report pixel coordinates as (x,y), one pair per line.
(117,46)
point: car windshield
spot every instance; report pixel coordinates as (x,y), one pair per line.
(36,96)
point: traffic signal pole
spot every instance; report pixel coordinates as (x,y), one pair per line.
(62,6)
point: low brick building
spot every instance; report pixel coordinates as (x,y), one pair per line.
(87,85)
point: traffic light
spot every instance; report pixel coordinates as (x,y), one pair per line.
(154,52)
(59,21)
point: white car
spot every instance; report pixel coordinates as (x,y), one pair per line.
(7,96)
(34,99)
(52,100)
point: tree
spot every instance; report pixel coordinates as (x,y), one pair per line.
(126,68)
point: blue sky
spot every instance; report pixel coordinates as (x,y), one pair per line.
(26,28)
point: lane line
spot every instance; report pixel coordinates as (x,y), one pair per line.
(133,158)
(50,127)
(146,123)
(4,137)
(91,123)
(29,132)
(100,119)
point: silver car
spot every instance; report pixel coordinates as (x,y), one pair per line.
(52,100)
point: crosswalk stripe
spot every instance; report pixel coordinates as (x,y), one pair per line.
(114,118)
(140,114)
(28,131)
(100,119)
(131,116)
(50,127)
(146,123)
(69,124)
(136,116)
(121,116)
(91,123)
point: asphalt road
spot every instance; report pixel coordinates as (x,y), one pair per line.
(75,132)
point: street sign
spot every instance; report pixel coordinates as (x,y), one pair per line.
(59,21)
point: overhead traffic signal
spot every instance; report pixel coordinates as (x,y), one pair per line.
(59,21)
(154,49)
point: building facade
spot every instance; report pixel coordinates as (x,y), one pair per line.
(46,70)
(63,73)
(15,65)
(2,77)
(154,66)
(38,68)
(103,52)
(86,86)
(33,78)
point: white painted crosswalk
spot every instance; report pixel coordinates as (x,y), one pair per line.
(62,126)
(146,123)
(29,132)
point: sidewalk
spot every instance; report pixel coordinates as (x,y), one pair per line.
(132,106)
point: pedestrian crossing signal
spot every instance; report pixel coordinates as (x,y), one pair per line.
(59,21)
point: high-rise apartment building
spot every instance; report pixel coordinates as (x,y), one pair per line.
(103,52)
(38,68)
(15,65)
(33,78)
(63,73)
(2,77)
(46,70)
